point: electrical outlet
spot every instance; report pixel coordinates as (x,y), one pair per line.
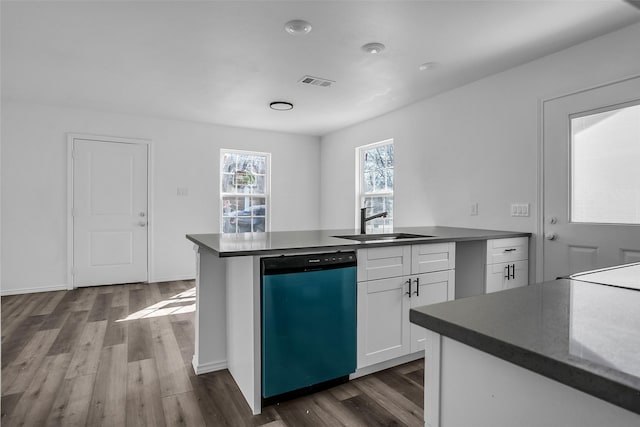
(520,209)
(474,209)
(182,191)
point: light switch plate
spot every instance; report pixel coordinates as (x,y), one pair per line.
(520,209)
(474,209)
(182,191)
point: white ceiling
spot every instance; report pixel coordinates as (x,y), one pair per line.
(225,61)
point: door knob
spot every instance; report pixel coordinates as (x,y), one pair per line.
(551,236)
(142,223)
(142,214)
(553,220)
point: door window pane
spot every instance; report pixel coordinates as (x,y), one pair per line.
(605,167)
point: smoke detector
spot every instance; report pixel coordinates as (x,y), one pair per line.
(297,27)
(373,48)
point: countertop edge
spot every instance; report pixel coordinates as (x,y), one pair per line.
(580,379)
(338,245)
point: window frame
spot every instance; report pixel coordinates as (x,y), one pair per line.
(360,185)
(266,195)
(571,169)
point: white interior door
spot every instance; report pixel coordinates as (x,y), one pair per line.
(592,179)
(109,212)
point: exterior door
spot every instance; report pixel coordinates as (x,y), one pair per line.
(109,212)
(592,179)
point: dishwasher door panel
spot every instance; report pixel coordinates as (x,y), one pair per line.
(308,328)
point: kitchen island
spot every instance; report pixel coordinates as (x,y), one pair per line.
(559,353)
(227,318)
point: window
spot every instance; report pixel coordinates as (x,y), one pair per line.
(244,192)
(605,177)
(375,183)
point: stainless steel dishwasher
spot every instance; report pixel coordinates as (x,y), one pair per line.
(308,322)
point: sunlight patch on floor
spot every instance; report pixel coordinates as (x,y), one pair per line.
(184,302)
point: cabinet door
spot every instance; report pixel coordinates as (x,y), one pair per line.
(430,257)
(502,276)
(433,288)
(520,276)
(383,320)
(496,276)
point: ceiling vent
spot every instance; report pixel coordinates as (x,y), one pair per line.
(316,81)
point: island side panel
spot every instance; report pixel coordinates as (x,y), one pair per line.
(243,327)
(432,360)
(485,391)
(211,316)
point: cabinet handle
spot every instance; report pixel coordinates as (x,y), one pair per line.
(417,286)
(507,272)
(510,250)
(409,283)
(513,273)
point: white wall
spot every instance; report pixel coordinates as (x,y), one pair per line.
(477,143)
(185,154)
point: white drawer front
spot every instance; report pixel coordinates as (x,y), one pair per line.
(507,250)
(433,257)
(381,263)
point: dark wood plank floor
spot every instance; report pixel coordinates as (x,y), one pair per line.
(121,356)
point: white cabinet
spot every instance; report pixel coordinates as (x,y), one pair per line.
(380,263)
(383,320)
(429,288)
(433,257)
(391,281)
(507,264)
(507,250)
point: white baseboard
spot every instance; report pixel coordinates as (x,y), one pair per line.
(386,365)
(171,278)
(204,368)
(5,292)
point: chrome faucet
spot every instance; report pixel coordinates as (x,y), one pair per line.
(364,218)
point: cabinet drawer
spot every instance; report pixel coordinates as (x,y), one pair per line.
(507,250)
(506,276)
(430,257)
(385,262)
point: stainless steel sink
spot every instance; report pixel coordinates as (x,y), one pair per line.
(381,237)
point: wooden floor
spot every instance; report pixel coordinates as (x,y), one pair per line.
(121,356)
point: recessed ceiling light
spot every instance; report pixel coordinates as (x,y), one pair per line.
(281,105)
(373,48)
(297,27)
(428,66)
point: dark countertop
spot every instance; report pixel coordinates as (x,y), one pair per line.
(583,334)
(229,245)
